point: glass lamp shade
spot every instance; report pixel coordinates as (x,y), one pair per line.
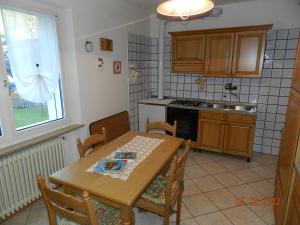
(184,8)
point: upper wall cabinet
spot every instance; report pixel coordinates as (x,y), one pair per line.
(249,50)
(218,57)
(227,52)
(188,53)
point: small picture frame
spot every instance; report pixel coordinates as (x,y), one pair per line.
(117,67)
(106,44)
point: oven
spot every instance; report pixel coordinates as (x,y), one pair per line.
(187,122)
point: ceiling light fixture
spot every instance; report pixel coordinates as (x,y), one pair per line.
(184,8)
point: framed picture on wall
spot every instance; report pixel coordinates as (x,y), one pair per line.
(117,67)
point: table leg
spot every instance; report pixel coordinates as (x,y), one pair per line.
(127,215)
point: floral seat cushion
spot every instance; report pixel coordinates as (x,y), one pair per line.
(106,215)
(155,193)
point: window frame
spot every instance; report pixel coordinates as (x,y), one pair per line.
(10,134)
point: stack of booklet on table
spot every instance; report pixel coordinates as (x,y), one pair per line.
(117,164)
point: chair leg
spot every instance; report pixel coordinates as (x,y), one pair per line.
(167,219)
(178,211)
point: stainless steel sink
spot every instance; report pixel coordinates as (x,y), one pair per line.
(240,107)
(233,107)
(218,106)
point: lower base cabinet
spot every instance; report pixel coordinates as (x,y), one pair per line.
(239,138)
(211,134)
(293,215)
(230,133)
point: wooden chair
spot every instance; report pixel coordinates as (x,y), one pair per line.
(165,191)
(160,126)
(91,142)
(66,209)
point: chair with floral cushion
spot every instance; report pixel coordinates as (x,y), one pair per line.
(65,209)
(161,126)
(166,191)
(91,142)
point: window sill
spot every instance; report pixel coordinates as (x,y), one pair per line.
(36,140)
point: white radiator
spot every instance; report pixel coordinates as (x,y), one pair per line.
(18,171)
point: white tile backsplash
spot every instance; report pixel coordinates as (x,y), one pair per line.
(270,91)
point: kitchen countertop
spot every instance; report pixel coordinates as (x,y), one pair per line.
(155,101)
(167,101)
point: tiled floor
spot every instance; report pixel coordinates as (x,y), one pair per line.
(213,184)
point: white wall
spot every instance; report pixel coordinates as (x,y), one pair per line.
(282,13)
(89,93)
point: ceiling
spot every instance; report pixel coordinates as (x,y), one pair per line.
(152,4)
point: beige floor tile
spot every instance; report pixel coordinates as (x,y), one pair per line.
(265,171)
(264,187)
(228,179)
(18,219)
(247,175)
(208,183)
(265,212)
(265,159)
(190,188)
(272,180)
(223,199)
(38,204)
(199,205)
(190,221)
(185,213)
(235,164)
(38,216)
(243,216)
(190,162)
(195,171)
(214,168)
(216,218)
(202,157)
(245,193)
(147,218)
(218,157)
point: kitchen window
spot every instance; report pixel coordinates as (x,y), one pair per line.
(30,68)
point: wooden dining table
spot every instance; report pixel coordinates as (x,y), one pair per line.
(118,193)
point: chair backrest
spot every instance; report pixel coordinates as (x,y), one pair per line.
(80,211)
(160,126)
(91,142)
(176,175)
(115,125)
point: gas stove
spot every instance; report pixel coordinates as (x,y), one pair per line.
(192,103)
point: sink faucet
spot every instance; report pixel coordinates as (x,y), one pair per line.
(231,88)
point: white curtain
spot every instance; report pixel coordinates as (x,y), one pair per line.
(33,54)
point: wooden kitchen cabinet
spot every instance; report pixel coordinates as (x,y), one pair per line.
(230,133)
(210,134)
(287,154)
(226,52)
(219,52)
(238,138)
(293,216)
(188,53)
(296,73)
(248,53)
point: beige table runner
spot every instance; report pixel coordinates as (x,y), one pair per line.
(143,146)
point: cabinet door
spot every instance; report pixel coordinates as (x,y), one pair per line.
(218,56)
(188,49)
(249,52)
(210,135)
(288,148)
(239,138)
(293,216)
(278,208)
(296,74)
